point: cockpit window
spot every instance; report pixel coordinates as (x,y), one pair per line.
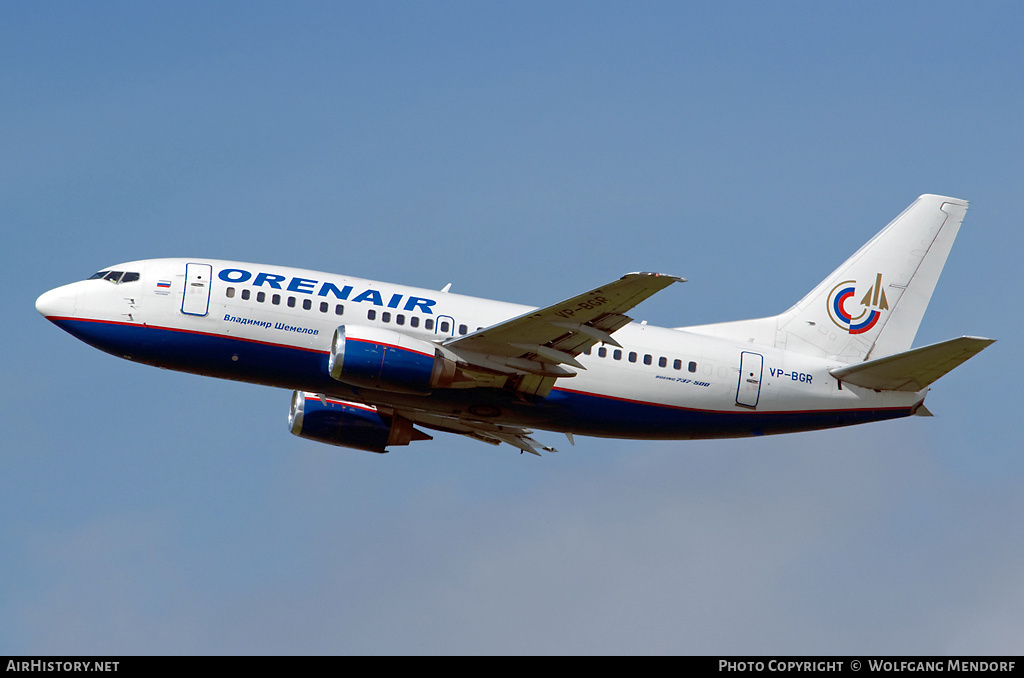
(116,277)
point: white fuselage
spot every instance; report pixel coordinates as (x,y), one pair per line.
(273,325)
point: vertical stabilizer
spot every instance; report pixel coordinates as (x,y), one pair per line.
(872,305)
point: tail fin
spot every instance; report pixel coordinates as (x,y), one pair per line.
(872,305)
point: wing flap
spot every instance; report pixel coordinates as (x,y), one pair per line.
(912,370)
(491,433)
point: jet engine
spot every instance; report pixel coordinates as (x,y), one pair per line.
(344,424)
(377,358)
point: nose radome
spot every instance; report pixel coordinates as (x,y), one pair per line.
(57,303)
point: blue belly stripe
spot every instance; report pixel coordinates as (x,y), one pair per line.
(564,409)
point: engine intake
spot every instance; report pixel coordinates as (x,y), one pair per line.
(345,424)
(377,358)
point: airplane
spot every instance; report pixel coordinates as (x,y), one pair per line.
(374,365)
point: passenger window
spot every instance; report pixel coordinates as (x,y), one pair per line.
(385,316)
(444,325)
(307,304)
(602,352)
(677,364)
(339,309)
(371,315)
(692,366)
(399,319)
(414,321)
(261,297)
(291,302)
(428,324)
(632,356)
(662,361)
(647,359)
(324,306)
(276,300)
(231,293)
(617,354)
(463,329)
(246,294)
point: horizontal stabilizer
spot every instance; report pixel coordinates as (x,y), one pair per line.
(911,370)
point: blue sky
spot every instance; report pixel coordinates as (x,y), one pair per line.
(524,152)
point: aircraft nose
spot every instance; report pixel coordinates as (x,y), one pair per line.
(57,303)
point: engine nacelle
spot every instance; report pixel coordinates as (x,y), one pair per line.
(345,424)
(377,358)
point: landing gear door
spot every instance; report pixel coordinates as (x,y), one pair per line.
(195,300)
(748,391)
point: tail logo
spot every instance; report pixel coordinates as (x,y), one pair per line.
(872,304)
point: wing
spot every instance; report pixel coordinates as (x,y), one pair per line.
(488,432)
(369,427)
(540,344)
(525,354)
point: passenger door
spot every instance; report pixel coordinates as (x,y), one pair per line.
(748,391)
(195,300)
